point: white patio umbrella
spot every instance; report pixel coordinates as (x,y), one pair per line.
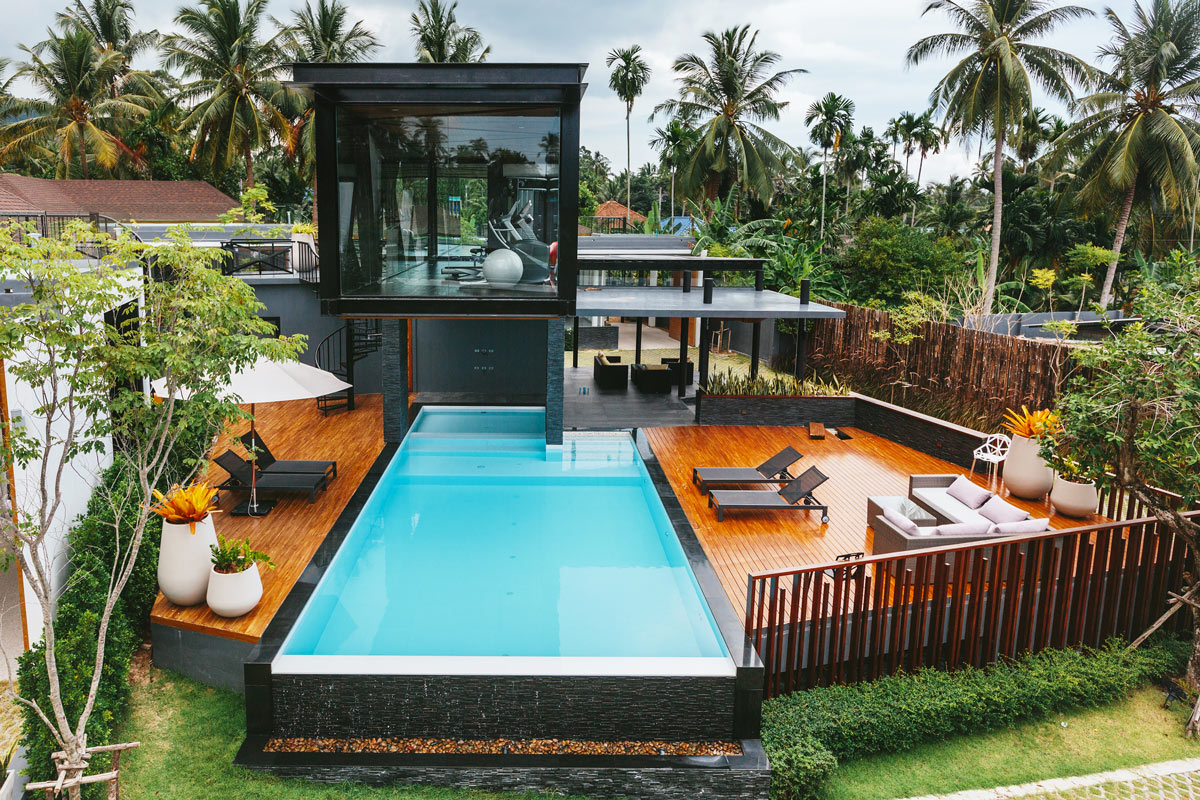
(267,381)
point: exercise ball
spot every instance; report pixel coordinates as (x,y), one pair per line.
(503,268)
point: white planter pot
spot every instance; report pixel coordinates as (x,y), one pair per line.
(1074,499)
(235,593)
(184,561)
(1025,473)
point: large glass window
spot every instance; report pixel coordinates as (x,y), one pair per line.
(447,202)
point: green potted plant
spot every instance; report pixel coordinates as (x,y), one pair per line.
(1074,493)
(235,585)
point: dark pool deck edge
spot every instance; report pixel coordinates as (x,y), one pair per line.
(750,671)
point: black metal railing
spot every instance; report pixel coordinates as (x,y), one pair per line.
(55,225)
(257,257)
(305,264)
(340,351)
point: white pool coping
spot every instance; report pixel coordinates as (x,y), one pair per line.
(582,666)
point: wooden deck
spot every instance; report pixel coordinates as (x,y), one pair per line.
(294,530)
(752,541)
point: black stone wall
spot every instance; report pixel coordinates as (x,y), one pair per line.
(603,337)
(490,706)
(722,410)
(928,435)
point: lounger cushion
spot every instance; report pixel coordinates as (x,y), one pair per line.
(968,493)
(901,522)
(941,503)
(979,527)
(1032,525)
(1000,512)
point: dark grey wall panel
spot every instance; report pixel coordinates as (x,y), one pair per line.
(394,354)
(555,361)
(299,311)
(489,706)
(832,411)
(211,660)
(482,356)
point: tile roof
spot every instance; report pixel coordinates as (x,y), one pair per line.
(144,201)
(611,208)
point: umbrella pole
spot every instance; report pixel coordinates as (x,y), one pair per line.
(253,466)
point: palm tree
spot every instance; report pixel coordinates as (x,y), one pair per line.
(990,87)
(830,118)
(728,96)
(893,133)
(77,114)
(630,74)
(235,88)
(441,39)
(1143,114)
(926,138)
(906,124)
(320,34)
(110,22)
(1031,135)
(675,144)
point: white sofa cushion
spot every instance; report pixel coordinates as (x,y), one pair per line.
(1032,525)
(901,522)
(977,527)
(968,493)
(942,503)
(1000,512)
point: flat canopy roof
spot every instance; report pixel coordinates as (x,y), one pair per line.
(667,301)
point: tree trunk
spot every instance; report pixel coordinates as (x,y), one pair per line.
(1118,241)
(672,194)
(82,155)
(989,289)
(1193,665)
(249,184)
(824,169)
(628,172)
(920,166)
(314,208)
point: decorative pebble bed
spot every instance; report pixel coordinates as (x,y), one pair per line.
(502,747)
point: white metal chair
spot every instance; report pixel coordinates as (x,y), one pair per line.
(992,452)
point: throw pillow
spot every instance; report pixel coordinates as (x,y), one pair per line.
(901,522)
(1032,525)
(967,493)
(1000,512)
(977,527)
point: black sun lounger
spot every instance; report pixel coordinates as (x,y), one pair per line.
(773,470)
(267,483)
(268,464)
(786,499)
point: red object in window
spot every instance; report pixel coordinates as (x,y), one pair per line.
(554,254)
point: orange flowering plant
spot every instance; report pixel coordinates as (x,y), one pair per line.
(1031,424)
(190,504)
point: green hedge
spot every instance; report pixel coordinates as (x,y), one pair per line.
(801,770)
(93,544)
(901,711)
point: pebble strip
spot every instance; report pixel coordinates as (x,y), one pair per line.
(502,747)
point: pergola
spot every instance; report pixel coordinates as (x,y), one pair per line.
(710,302)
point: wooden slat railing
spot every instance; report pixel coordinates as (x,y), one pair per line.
(969,604)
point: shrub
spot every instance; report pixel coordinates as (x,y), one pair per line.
(889,258)
(729,383)
(801,771)
(901,711)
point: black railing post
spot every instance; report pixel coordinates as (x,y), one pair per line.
(755,343)
(683,355)
(350,364)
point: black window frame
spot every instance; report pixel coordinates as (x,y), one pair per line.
(466,85)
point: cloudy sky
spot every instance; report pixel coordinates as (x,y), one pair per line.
(853,47)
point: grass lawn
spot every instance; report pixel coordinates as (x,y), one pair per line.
(190,734)
(1127,734)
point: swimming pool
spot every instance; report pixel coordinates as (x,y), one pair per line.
(483,551)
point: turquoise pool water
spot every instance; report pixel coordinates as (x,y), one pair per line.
(479,541)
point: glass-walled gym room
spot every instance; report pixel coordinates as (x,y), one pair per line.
(448,201)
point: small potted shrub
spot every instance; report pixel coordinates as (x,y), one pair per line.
(1074,493)
(234,585)
(1026,473)
(187,535)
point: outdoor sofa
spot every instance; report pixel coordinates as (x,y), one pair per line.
(651,379)
(609,372)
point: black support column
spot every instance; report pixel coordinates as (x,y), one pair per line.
(395,380)
(755,345)
(575,342)
(637,343)
(705,335)
(555,356)
(683,355)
